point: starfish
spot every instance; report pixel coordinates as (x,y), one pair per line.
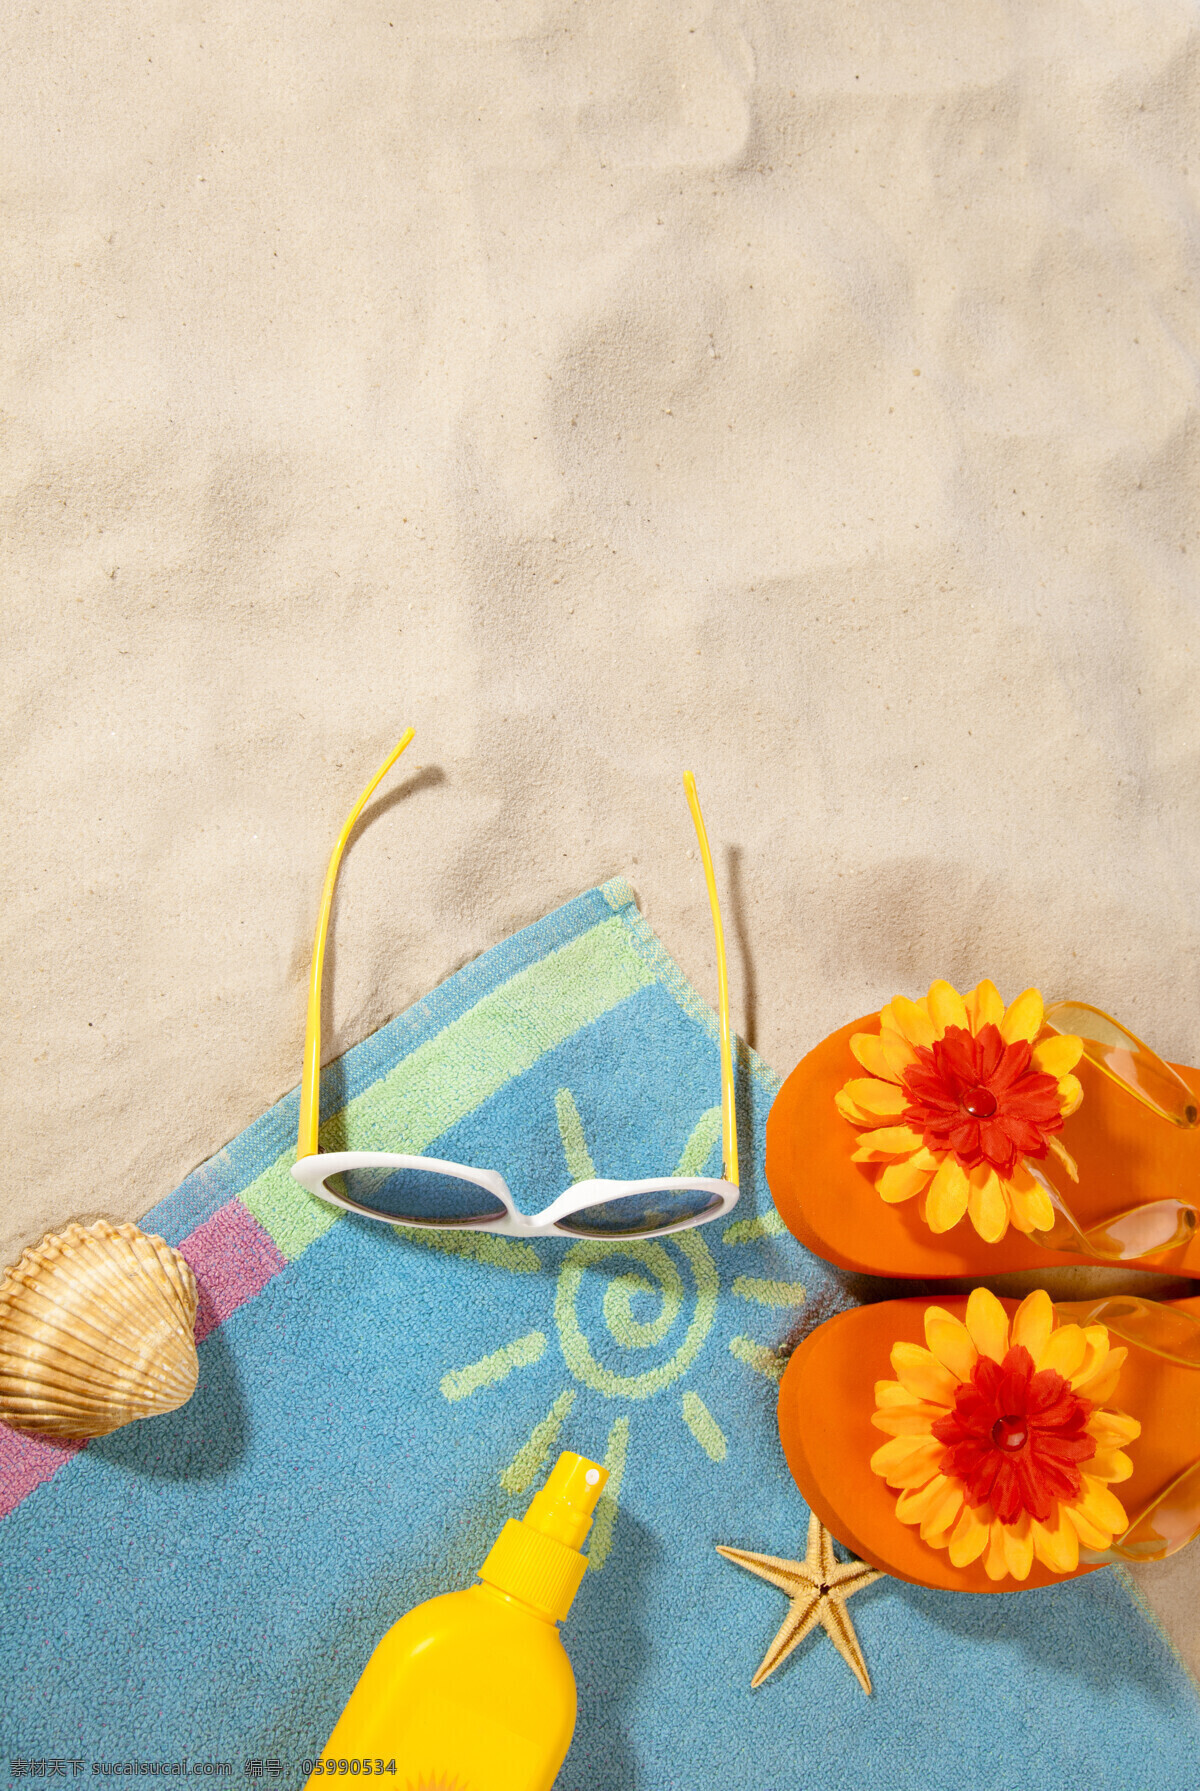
(818,1587)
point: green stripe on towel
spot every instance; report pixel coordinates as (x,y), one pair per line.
(443,1080)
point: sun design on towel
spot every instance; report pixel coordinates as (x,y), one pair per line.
(658,1307)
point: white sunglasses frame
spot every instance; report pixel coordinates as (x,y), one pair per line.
(312,1173)
(313,1167)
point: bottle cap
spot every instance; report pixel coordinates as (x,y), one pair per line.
(537,1558)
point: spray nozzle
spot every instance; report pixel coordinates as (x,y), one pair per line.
(538,1558)
(563,1508)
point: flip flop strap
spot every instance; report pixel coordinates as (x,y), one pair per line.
(1140,1231)
(1126,1060)
(1171,1519)
(1160,1225)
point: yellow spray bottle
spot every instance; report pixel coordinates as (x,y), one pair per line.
(474,1691)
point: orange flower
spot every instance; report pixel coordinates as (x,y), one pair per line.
(961,1092)
(1001,1443)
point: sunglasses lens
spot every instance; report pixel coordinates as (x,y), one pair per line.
(631,1214)
(424,1194)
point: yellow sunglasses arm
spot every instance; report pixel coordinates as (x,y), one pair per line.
(310,1080)
(729,1144)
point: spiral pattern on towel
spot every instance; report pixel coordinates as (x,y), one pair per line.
(644,1267)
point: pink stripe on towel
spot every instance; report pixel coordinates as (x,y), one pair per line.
(25,1462)
(232,1258)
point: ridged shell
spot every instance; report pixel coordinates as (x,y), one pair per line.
(95,1331)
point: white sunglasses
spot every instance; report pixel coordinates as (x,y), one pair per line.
(427,1191)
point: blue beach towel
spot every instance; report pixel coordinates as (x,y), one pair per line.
(373,1405)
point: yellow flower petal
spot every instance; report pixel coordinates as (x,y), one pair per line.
(890,1393)
(1100,1386)
(1090,1534)
(886,1143)
(898,1054)
(1056,1544)
(1064,1351)
(1064,1156)
(945,1006)
(948,1193)
(868,1048)
(893,1396)
(942,1515)
(912,1020)
(849,1109)
(1056,1056)
(1096,1341)
(1111,1466)
(984,1006)
(907,1421)
(987,1322)
(900,1181)
(995,1564)
(1070,1095)
(1033,1321)
(1112,1429)
(908,1461)
(1018,1547)
(920,1371)
(1101,1506)
(950,1341)
(914,1503)
(969,1539)
(987,1204)
(1029,1205)
(1024,1019)
(882,1100)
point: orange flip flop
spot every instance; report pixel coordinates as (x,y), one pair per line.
(953,1136)
(1004,1434)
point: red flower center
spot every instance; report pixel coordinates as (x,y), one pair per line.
(982,1099)
(1015,1438)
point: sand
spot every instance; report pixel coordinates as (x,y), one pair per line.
(805,393)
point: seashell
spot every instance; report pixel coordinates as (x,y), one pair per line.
(95,1331)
